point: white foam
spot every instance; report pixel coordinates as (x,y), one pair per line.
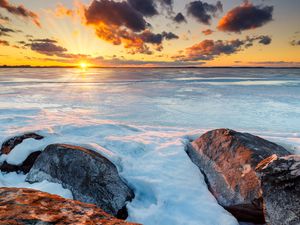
(18,180)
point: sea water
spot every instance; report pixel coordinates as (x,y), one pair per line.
(141,119)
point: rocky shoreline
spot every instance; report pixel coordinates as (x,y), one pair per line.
(255,180)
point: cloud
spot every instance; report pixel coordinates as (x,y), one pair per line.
(203,11)
(207,32)
(50,47)
(276,63)
(169,35)
(4,31)
(20,10)
(148,37)
(118,23)
(179,18)
(245,17)
(45,40)
(115,14)
(266,40)
(295,42)
(123,23)
(47,48)
(145,7)
(4,43)
(140,63)
(210,49)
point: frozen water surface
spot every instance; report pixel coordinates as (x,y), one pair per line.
(141,119)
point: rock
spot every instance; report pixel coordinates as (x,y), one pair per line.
(11,143)
(88,175)
(228,159)
(280,183)
(22,206)
(24,167)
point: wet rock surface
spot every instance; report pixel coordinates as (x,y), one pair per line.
(280,182)
(88,175)
(228,160)
(19,206)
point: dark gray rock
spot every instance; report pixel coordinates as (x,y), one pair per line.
(228,159)
(280,183)
(88,175)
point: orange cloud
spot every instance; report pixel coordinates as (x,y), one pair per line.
(207,32)
(4,43)
(245,17)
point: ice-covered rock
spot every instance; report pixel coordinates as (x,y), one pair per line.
(88,175)
(228,159)
(280,182)
(29,159)
(11,143)
(24,167)
(27,206)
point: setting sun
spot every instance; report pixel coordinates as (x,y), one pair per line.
(83,65)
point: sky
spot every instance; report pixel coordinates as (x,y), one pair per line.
(150,32)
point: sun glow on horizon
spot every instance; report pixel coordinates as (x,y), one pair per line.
(83,65)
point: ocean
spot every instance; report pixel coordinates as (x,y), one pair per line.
(141,119)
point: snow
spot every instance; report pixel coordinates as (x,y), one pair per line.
(18,180)
(141,119)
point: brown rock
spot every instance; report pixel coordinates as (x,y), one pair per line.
(280,183)
(19,206)
(228,159)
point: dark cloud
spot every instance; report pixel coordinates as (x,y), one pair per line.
(4,43)
(47,48)
(179,18)
(123,23)
(295,42)
(4,31)
(20,10)
(207,32)
(266,40)
(157,39)
(169,35)
(118,23)
(203,11)
(245,17)
(149,37)
(115,14)
(50,47)
(146,7)
(209,49)
(45,40)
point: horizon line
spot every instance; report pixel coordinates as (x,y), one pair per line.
(156,67)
